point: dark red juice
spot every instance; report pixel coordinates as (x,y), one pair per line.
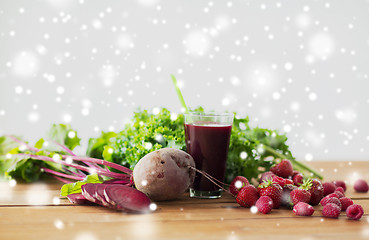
(208,144)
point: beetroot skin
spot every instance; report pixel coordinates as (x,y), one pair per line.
(164,174)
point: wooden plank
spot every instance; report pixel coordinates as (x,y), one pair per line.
(35,211)
(215,221)
(48,194)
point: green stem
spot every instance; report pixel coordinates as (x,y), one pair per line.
(296,163)
(181,99)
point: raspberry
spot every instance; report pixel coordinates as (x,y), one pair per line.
(329,188)
(333,195)
(303,209)
(340,189)
(334,200)
(340,183)
(339,194)
(238,183)
(361,186)
(346,202)
(331,210)
(354,212)
(264,204)
(281,181)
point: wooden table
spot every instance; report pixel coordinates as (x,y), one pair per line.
(34,211)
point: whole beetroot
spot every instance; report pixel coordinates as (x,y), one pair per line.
(164,174)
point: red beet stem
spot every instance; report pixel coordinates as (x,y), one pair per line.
(62,180)
(62,174)
(211,179)
(117,181)
(23,143)
(87,169)
(101,162)
(65,148)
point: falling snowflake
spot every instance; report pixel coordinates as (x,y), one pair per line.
(197,43)
(25,64)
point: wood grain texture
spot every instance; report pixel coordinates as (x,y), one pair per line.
(35,211)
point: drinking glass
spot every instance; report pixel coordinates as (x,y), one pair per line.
(207,141)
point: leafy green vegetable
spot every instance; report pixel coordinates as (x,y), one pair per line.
(76,187)
(247,153)
(96,146)
(147,132)
(28,169)
(252,150)
(64,134)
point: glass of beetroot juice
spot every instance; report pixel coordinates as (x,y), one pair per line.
(207,141)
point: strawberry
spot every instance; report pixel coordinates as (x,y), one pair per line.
(340,183)
(238,183)
(264,204)
(298,179)
(286,197)
(300,195)
(272,190)
(354,212)
(317,192)
(281,181)
(331,210)
(303,209)
(288,181)
(247,196)
(283,168)
(361,186)
(295,172)
(328,188)
(266,176)
(345,202)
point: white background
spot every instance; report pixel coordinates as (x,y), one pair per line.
(297,66)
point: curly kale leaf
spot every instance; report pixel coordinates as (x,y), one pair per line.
(250,148)
(146,132)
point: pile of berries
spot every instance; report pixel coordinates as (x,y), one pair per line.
(284,187)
